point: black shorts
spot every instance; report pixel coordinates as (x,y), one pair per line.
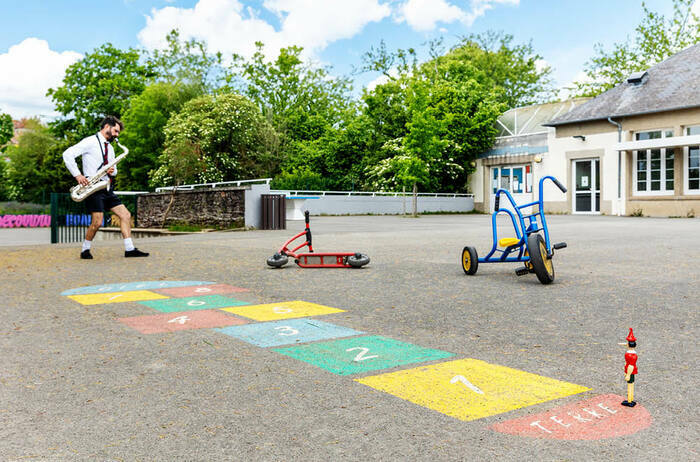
(631,380)
(101,201)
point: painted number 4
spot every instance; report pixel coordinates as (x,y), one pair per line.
(361,355)
(180,319)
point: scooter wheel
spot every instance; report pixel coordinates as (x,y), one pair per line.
(470,260)
(541,263)
(277,260)
(358,260)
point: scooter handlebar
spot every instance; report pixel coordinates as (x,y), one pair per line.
(306,216)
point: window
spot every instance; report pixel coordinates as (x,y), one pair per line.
(516,179)
(653,172)
(692,163)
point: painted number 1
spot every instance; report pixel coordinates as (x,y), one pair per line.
(467,383)
(361,355)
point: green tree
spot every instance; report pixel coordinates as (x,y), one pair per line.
(36,166)
(228,130)
(655,39)
(100,84)
(187,63)
(7,129)
(143,134)
(300,100)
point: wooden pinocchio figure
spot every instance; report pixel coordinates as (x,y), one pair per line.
(630,369)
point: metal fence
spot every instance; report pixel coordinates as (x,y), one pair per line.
(69,220)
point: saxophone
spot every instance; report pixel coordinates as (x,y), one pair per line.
(95,183)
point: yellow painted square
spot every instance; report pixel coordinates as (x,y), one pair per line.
(116,297)
(469,389)
(282,310)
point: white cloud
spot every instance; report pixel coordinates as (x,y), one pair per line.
(381,80)
(29,69)
(228,26)
(423,15)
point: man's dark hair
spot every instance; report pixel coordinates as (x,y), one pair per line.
(632,344)
(111,121)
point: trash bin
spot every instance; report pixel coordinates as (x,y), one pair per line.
(273,211)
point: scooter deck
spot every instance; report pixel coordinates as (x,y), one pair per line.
(323,260)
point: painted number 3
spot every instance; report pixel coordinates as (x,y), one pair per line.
(361,355)
(286,330)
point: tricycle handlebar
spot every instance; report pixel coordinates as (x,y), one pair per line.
(561,186)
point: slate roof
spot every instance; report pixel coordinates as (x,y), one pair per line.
(670,85)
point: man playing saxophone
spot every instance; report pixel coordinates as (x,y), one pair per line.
(96,151)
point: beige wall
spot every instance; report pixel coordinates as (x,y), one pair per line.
(674,205)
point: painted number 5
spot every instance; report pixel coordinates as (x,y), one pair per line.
(286,329)
(361,355)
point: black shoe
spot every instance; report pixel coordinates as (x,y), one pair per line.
(135,253)
(629,403)
(86,255)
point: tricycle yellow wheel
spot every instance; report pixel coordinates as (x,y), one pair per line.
(541,263)
(470,260)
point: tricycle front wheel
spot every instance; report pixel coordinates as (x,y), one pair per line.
(470,260)
(541,263)
(277,260)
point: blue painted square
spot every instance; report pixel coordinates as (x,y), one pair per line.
(287,332)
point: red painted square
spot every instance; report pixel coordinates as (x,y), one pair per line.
(194,291)
(184,320)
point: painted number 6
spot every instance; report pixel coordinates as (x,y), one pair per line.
(361,355)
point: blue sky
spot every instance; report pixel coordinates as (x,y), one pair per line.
(40,38)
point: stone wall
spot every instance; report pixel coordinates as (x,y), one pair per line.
(216,208)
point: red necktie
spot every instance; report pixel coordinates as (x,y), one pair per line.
(105,162)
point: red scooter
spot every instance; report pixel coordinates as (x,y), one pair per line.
(315,260)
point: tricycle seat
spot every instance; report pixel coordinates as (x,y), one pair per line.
(508,241)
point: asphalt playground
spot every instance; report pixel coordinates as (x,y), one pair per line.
(202,352)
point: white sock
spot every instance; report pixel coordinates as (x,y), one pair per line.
(128,244)
(86,245)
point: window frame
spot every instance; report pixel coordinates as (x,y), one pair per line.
(662,176)
(686,164)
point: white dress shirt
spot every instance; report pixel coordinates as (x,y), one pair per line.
(91,150)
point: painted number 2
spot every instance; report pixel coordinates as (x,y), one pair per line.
(361,355)
(286,330)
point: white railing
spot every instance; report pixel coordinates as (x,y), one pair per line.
(216,185)
(304,192)
(130,193)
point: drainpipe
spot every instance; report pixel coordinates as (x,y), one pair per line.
(619,165)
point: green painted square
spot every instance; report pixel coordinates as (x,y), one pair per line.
(205,302)
(362,354)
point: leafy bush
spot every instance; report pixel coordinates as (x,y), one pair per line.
(300,178)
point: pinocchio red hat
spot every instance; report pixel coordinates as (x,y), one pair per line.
(630,337)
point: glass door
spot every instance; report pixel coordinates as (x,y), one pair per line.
(587,193)
(516,179)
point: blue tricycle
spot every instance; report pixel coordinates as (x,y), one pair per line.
(527,246)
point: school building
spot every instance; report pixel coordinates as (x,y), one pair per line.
(634,149)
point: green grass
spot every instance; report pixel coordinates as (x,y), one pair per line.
(23,208)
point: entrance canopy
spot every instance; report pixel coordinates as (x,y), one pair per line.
(671,142)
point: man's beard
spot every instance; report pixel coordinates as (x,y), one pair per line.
(109,137)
